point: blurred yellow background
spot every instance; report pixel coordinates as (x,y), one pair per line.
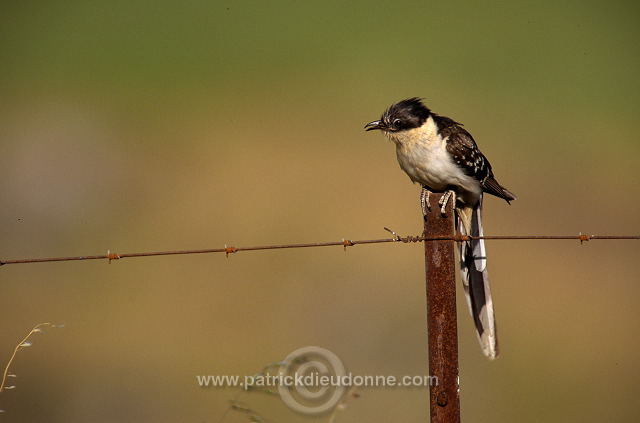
(147,126)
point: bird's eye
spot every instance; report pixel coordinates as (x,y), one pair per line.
(397,123)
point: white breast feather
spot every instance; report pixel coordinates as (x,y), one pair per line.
(422,154)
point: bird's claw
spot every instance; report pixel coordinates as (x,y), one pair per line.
(424,201)
(445,199)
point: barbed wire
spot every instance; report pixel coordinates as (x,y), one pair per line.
(344,243)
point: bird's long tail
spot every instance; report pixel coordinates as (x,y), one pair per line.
(473,266)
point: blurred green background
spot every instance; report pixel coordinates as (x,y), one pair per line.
(150,126)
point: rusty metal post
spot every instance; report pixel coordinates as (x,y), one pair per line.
(441,314)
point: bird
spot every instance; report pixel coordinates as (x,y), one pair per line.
(440,155)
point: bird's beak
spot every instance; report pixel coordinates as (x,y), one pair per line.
(376,124)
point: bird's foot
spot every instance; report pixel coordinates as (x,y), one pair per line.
(445,199)
(424,201)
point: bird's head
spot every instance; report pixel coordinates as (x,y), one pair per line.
(402,116)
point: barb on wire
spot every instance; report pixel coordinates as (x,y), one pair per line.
(344,243)
(408,238)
